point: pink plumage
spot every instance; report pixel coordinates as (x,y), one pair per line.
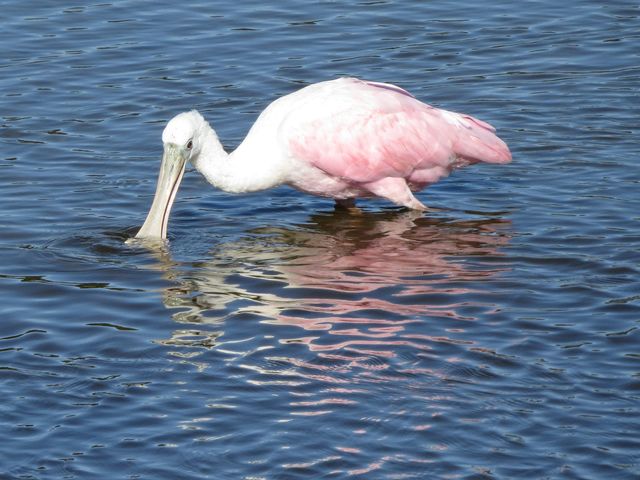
(378,139)
(341,139)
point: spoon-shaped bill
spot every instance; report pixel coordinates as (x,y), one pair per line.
(171,172)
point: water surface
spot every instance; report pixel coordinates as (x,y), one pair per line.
(275,338)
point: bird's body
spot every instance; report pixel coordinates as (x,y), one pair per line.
(341,139)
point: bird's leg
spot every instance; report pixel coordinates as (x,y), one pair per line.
(348,205)
(345,203)
(396,190)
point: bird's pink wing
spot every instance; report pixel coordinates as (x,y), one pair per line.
(366,132)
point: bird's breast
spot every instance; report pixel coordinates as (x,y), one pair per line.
(316,182)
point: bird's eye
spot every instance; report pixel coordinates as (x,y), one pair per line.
(190,145)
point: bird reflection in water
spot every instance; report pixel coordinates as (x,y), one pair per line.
(353,283)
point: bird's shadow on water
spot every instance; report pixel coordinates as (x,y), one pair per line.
(374,270)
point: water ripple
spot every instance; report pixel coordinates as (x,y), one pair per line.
(494,337)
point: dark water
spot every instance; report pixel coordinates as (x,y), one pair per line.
(273,338)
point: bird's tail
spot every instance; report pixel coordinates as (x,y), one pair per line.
(477,142)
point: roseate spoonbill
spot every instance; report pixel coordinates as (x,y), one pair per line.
(342,139)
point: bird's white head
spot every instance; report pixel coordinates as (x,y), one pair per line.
(185,131)
(183,140)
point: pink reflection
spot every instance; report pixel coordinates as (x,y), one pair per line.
(344,308)
(395,269)
(353,283)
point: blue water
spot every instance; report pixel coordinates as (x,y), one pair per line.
(496,337)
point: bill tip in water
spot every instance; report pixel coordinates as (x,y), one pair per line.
(146,242)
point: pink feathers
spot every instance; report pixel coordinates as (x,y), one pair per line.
(365,132)
(341,139)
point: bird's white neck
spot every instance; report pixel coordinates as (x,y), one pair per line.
(244,170)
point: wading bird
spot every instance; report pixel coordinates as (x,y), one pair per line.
(342,139)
